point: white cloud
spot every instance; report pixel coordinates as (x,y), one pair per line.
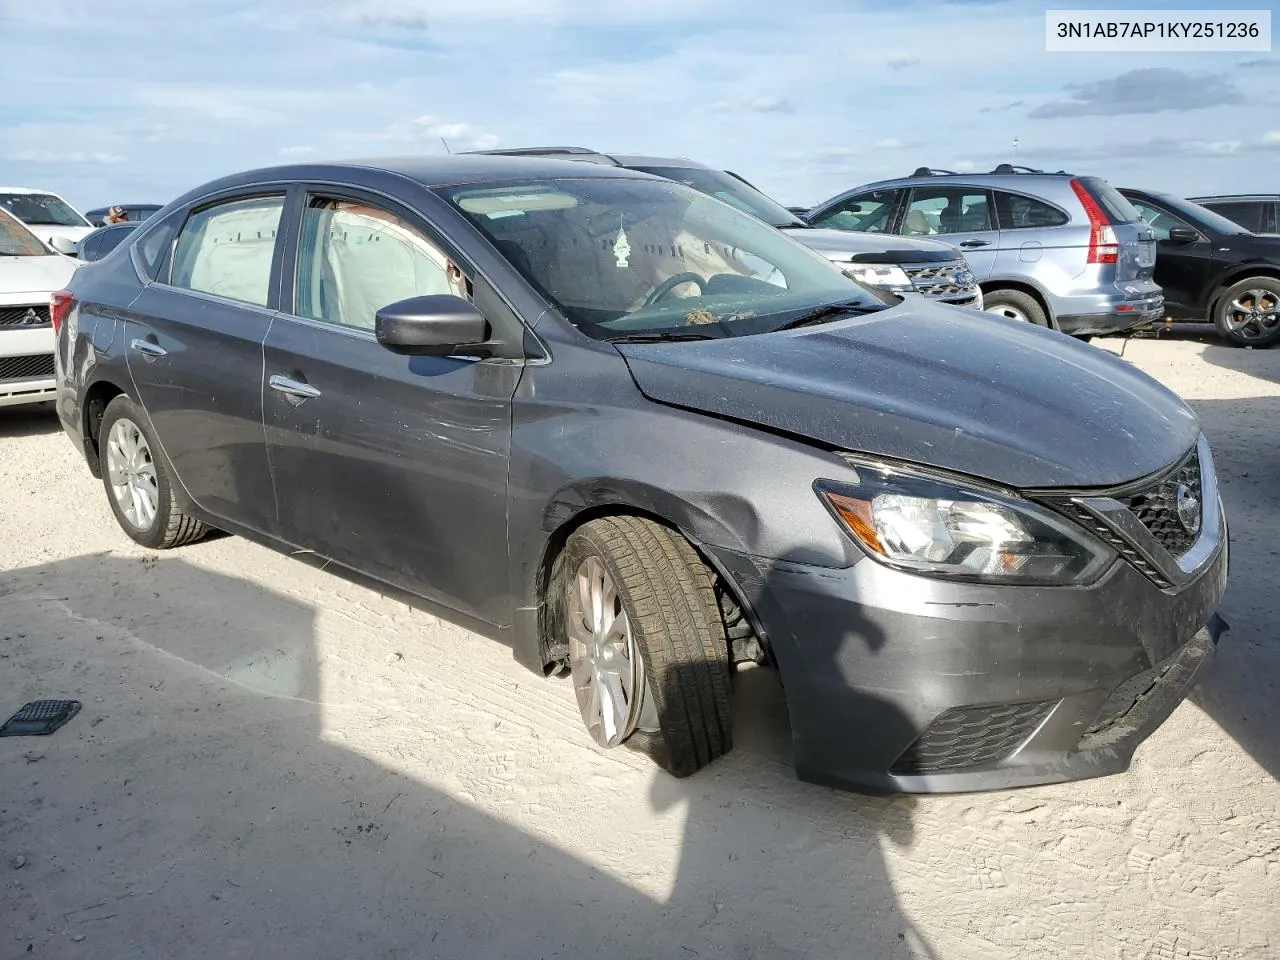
(767,104)
(53,157)
(296,151)
(903,61)
(429,132)
(890,144)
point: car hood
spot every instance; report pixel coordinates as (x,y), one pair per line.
(42,275)
(935,385)
(852,246)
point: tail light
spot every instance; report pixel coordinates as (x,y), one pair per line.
(1104,247)
(59,306)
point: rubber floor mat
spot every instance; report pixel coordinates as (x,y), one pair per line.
(40,717)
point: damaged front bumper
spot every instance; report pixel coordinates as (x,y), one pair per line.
(902,683)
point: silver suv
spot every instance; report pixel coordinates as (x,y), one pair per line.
(932,268)
(1052,249)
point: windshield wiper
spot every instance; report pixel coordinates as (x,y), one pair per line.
(825,313)
(671,336)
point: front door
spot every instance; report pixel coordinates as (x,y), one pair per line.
(960,216)
(1184,268)
(393,465)
(194,347)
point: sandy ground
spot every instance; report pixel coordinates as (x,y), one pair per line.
(272,762)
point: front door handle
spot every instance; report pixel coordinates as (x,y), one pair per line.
(151,351)
(295,390)
(975,243)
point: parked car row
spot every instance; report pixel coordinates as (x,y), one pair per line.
(644,435)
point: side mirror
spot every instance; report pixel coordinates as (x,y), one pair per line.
(435,326)
(1184,235)
(63,245)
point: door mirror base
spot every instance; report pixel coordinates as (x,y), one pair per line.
(434,326)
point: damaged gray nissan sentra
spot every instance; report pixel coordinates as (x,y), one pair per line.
(645,438)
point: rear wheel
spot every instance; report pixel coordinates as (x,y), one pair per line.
(1015,305)
(647,649)
(1248,314)
(137,480)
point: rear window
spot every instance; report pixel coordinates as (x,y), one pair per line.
(1111,200)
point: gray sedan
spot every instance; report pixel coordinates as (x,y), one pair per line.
(645,438)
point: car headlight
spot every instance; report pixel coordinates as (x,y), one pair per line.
(959,532)
(880,275)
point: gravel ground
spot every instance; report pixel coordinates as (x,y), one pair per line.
(272,762)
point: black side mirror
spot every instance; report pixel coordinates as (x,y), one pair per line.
(1184,234)
(435,326)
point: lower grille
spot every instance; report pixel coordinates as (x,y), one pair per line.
(26,368)
(968,737)
(36,315)
(1146,697)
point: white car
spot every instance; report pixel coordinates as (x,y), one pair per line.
(50,218)
(30,273)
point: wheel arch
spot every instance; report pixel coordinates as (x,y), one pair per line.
(96,396)
(1234,276)
(1021,286)
(570,511)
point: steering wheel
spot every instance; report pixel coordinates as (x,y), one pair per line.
(669,284)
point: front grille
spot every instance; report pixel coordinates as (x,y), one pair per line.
(1146,698)
(968,737)
(35,315)
(1118,543)
(26,368)
(1157,507)
(948,279)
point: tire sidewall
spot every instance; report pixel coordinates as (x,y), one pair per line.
(122,408)
(1220,313)
(1023,302)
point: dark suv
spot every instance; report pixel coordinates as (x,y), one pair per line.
(1214,270)
(1256,212)
(931,268)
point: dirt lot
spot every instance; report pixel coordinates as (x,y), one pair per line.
(272,762)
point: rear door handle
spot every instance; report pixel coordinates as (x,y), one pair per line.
(975,243)
(295,390)
(148,349)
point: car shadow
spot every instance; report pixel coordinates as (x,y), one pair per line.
(35,420)
(202,804)
(1242,690)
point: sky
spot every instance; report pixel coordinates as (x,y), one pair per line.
(133,101)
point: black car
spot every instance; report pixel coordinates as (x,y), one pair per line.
(1256,212)
(643,437)
(105,239)
(1213,270)
(134,211)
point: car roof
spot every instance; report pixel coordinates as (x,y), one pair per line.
(596,156)
(426,171)
(1236,196)
(32,190)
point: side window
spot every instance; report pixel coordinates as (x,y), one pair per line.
(1248,215)
(1017,212)
(942,210)
(1160,221)
(91,247)
(154,247)
(227,249)
(867,212)
(354,259)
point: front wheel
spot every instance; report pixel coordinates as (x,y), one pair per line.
(1248,315)
(647,649)
(137,480)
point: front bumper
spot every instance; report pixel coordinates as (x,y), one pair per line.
(901,683)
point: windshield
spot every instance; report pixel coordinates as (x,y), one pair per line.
(42,209)
(725,186)
(17,241)
(1200,216)
(623,257)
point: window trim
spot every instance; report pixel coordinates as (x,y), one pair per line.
(995,191)
(993,217)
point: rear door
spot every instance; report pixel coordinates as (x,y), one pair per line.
(962,216)
(1183,268)
(392,465)
(194,347)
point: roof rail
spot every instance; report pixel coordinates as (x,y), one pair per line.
(929,172)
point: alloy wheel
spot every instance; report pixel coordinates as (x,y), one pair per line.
(131,473)
(1008,312)
(1254,314)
